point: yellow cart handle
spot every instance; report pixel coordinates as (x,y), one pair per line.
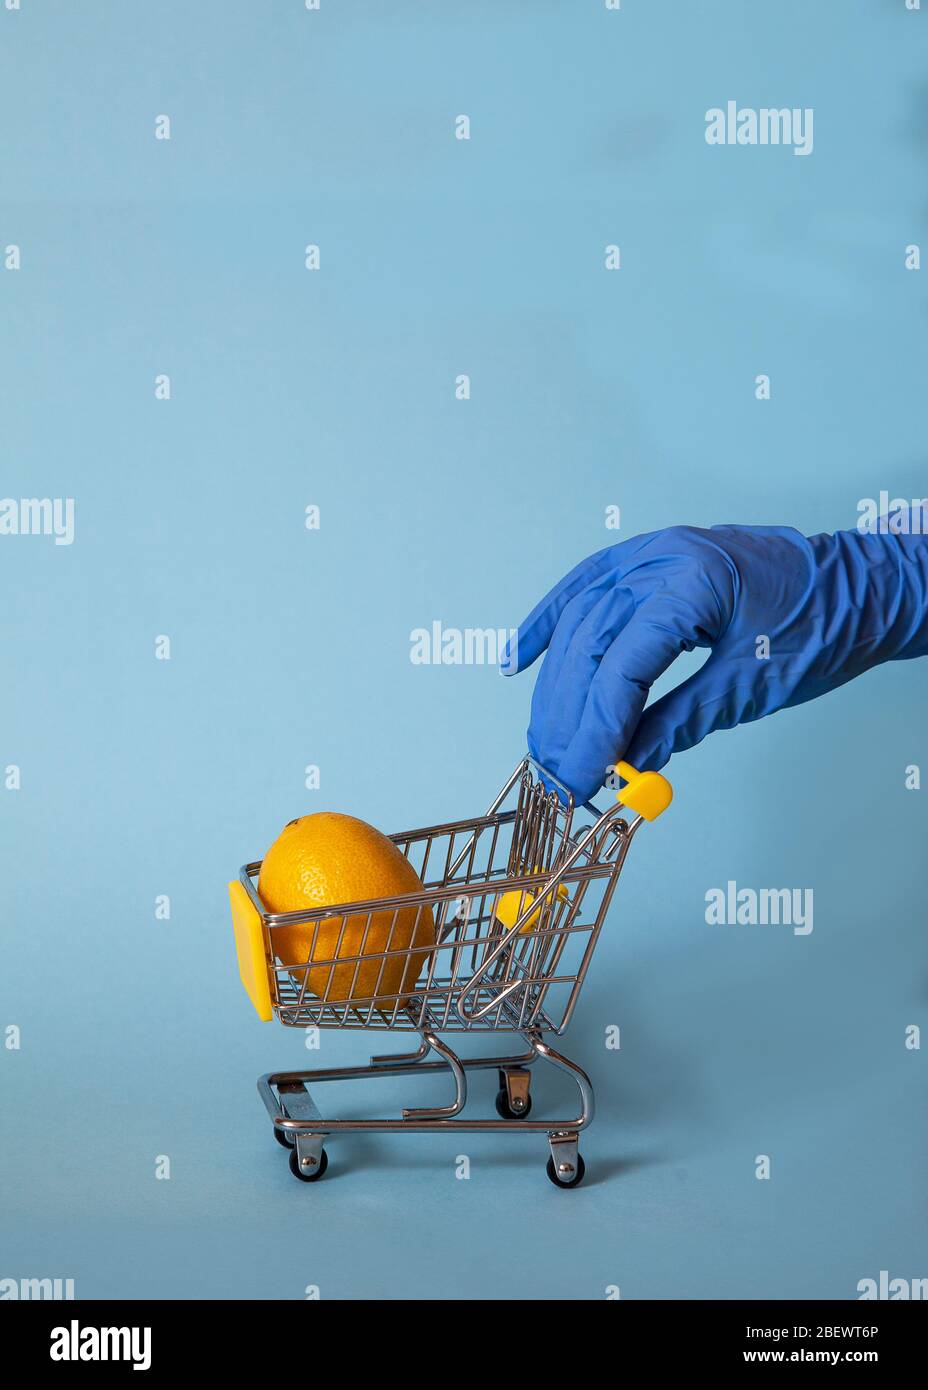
(648,793)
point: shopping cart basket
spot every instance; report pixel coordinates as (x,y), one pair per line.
(518,898)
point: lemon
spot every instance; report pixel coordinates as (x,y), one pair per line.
(328,858)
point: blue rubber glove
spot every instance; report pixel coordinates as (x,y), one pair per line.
(830,607)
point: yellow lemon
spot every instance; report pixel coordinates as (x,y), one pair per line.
(328,858)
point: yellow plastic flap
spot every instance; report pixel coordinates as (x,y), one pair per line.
(512,904)
(648,793)
(249,945)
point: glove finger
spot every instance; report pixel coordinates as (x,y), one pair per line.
(617,696)
(573,616)
(587,629)
(710,699)
(535,631)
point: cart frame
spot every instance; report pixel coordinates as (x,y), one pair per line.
(517,938)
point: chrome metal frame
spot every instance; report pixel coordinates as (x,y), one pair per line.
(294,1112)
(478,976)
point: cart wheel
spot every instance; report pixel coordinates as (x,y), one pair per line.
(505,1110)
(575,1181)
(281,1137)
(315,1175)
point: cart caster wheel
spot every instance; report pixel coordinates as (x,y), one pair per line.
(506,1111)
(316,1173)
(282,1139)
(575,1181)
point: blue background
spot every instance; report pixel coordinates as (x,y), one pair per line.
(289,647)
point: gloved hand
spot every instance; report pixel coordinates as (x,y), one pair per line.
(830,607)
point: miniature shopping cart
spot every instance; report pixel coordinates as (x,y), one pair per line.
(518,898)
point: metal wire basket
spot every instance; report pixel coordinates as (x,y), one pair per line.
(499,939)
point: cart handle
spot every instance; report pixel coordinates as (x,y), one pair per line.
(648,794)
(530,908)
